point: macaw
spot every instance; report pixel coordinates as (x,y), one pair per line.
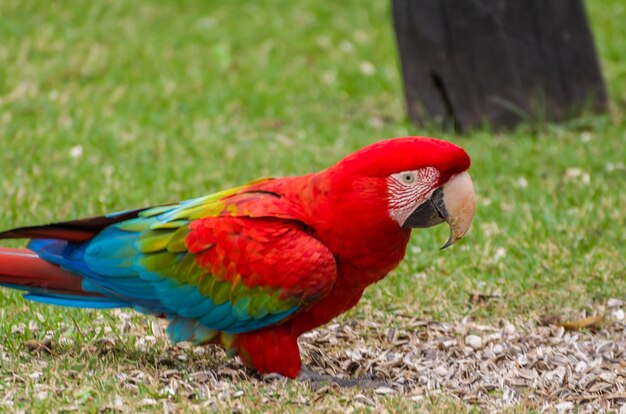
(253,267)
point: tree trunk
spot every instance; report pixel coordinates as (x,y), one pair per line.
(470,62)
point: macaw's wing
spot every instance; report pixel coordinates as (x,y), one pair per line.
(74,230)
(234,264)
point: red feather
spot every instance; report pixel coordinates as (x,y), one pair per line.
(24,268)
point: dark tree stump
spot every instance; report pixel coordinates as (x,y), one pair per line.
(467,62)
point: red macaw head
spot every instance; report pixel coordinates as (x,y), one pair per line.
(423,180)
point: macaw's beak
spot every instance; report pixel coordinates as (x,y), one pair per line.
(454,202)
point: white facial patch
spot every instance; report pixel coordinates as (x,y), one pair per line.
(407,190)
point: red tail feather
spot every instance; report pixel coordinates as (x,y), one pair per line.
(22,267)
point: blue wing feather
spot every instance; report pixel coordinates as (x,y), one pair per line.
(111,265)
(77,301)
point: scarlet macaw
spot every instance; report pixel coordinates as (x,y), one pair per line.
(253,267)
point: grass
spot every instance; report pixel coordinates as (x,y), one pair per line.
(111,105)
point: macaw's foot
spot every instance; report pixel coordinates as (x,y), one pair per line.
(319,380)
(273,349)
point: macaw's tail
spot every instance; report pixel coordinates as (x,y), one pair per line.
(45,282)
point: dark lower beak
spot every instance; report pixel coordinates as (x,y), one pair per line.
(454,202)
(428,214)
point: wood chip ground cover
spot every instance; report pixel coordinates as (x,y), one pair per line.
(415,363)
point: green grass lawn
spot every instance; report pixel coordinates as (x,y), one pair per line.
(110,105)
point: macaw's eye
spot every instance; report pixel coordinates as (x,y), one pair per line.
(408,178)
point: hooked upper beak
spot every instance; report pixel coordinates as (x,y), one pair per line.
(454,202)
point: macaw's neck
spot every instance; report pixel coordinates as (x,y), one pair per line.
(351,218)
